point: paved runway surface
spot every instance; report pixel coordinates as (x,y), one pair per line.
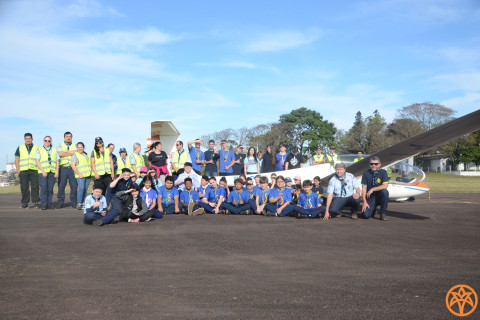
(239,267)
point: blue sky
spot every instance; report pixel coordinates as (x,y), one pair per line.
(108,68)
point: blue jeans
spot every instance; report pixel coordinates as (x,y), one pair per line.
(377,198)
(209,208)
(170,209)
(338,203)
(67,174)
(82,189)
(88,218)
(311,212)
(210,173)
(46,188)
(285,211)
(235,209)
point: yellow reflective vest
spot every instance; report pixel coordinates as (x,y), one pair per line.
(358,159)
(318,158)
(139,162)
(389,172)
(102,163)
(48,166)
(180,159)
(83,165)
(331,159)
(66,160)
(121,164)
(27,160)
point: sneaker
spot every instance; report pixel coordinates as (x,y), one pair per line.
(198,212)
(37,205)
(79,206)
(300,216)
(133,220)
(44,207)
(383,217)
(354,215)
(51,207)
(24,206)
(148,219)
(190,208)
(97,222)
(264,213)
(59,205)
(83,206)
(247,212)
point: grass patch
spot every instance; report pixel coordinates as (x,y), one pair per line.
(447,183)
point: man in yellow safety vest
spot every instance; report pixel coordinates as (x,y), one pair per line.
(66,150)
(47,162)
(26,167)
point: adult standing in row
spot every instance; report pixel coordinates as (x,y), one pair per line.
(227,158)
(83,172)
(252,165)
(180,156)
(196,155)
(331,156)
(239,161)
(136,159)
(111,147)
(157,160)
(280,158)
(66,150)
(319,158)
(269,161)
(102,165)
(211,159)
(47,163)
(294,160)
(123,161)
(27,171)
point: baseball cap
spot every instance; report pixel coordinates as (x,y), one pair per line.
(122,150)
(143,169)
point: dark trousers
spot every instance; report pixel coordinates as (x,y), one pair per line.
(143,217)
(210,173)
(103,183)
(46,188)
(235,209)
(29,179)
(311,212)
(67,174)
(209,208)
(253,205)
(338,203)
(124,214)
(184,208)
(170,209)
(377,198)
(88,218)
(285,211)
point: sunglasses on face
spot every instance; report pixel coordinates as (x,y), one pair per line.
(374,164)
(47,140)
(249,184)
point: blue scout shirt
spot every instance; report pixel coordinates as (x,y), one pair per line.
(317,190)
(196,154)
(344,188)
(189,196)
(148,196)
(374,179)
(286,195)
(280,164)
(252,194)
(308,201)
(264,196)
(235,195)
(238,167)
(213,195)
(203,189)
(90,201)
(211,155)
(168,196)
(226,158)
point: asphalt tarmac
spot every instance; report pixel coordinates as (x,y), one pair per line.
(239,267)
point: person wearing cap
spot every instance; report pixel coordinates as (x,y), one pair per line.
(318,158)
(294,160)
(237,202)
(196,155)
(226,160)
(111,147)
(123,161)
(66,150)
(288,183)
(358,157)
(157,160)
(297,180)
(211,158)
(280,158)
(83,172)
(27,171)
(143,174)
(238,163)
(374,190)
(331,156)
(102,165)
(47,162)
(95,212)
(180,156)
(187,173)
(136,159)
(343,190)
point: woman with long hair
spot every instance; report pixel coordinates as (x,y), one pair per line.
(102,165)
(251,162)
(269,161)
(157,159)
(83,172)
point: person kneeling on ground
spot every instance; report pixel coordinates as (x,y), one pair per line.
(214,196)
(95,211)
(189,199)
(341,192)
(134,209)
(168,199)
(308,204)
(279,199)
(237,202)
(374,190)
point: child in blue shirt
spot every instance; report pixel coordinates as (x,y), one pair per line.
(253,196)
(226,158)
(196,155)
(279,199)
(95,212)
(203,186)
(189,199)
(317,188)
(308,203)
(237,202)
(168,198)
(214,197)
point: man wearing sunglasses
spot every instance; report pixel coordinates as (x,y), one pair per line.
(374,190)
(47,159)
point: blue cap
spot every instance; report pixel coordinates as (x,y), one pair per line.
(122,150)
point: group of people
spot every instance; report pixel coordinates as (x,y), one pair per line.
(123,186)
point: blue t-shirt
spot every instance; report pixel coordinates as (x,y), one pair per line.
(344,188)
(280,163)
(189,196)
(286,196)
(148,196)
(252,194)
(235,195)
(213,195)
(317,190)
(226,158)
(374,179)
(308,201)
(238,167)
(196,154)
(168,196)
(264,196)
(203,189)
(211,155)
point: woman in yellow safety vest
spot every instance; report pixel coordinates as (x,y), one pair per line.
(83,172)
(102,165)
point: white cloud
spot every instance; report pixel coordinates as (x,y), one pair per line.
(280,40)
(467,103)
(239,64)
(456,81)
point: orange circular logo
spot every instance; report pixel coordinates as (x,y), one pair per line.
(461,300)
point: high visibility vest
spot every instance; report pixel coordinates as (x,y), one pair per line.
(83,165)
(318,158)
(102,163)
(358,159)
(27,160)
(139,162)
(121,165)
(331,159)
(48,166)
(389,172)
(180,160)
(66,160)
